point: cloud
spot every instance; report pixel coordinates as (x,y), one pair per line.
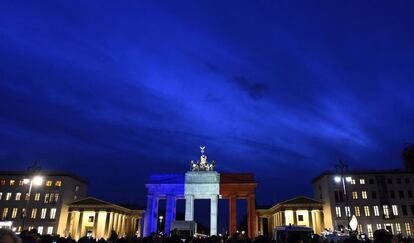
(255,90)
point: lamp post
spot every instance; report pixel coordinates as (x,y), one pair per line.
(341,168)
(37,181)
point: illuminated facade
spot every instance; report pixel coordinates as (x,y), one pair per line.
(202,182)
(299,211)
(99,218)
(240,186)
(378,199)
(46,205)
(163,186)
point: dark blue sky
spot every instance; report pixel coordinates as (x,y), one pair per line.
(114,91)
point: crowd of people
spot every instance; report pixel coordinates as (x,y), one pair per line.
(8,236)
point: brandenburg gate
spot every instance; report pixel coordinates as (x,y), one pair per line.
(201,182)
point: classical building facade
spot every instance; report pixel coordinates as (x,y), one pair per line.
(378,199)
(38,199)
(98,218)
(299,211)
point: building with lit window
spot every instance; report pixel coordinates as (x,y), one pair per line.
(378,199)
(95,217)
(38,200)
(299,211)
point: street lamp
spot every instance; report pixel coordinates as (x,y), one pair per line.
(341,167)
(37,181)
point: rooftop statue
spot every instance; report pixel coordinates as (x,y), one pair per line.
(203,164)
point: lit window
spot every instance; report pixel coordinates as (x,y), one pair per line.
(76,188)
(357,212)
(376,211)
(48,183)
(46,197)
(14,213)
(33,215)
(338,211)
(18,195)
(56,197)
(43,215)
(26,196)
(1,195)
(40,230)
(51,197)
(50,230)
(8,196)
(354,195)
(352,181)
(407,229)
(52,213)
(395,210)
(23,213)
(379,226)
(398,228)
(4,215)
(369,229)
(12,182)
(364,194)
(37,196)
(58,183)
(75,197)
(347,211)
(386,211)
(366,210)
(3,182)
(362,182)
(21,183)
(359,228)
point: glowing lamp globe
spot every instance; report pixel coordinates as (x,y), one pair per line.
(37,180)
(353,223)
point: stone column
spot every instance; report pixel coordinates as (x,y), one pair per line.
(139,227)
(320,221)
(189,207)
(121,225)
(261,230)
(79,230)
(107,221)
(95,224)
(310,219)
(68,228)
(233,214)
(213,214)
(282,214)
(170,213)
(295,218)
(118,223)
(115,223)
(151,215)
(251,205)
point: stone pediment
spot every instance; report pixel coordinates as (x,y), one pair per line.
(300,200)
(88,201)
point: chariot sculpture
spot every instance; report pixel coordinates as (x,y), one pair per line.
(202,164)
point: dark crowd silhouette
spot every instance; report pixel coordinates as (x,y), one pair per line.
(32,236)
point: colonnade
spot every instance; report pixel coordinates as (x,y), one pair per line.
(151,215)
(200,185)
(102,223)
(311,217)
(189,210)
